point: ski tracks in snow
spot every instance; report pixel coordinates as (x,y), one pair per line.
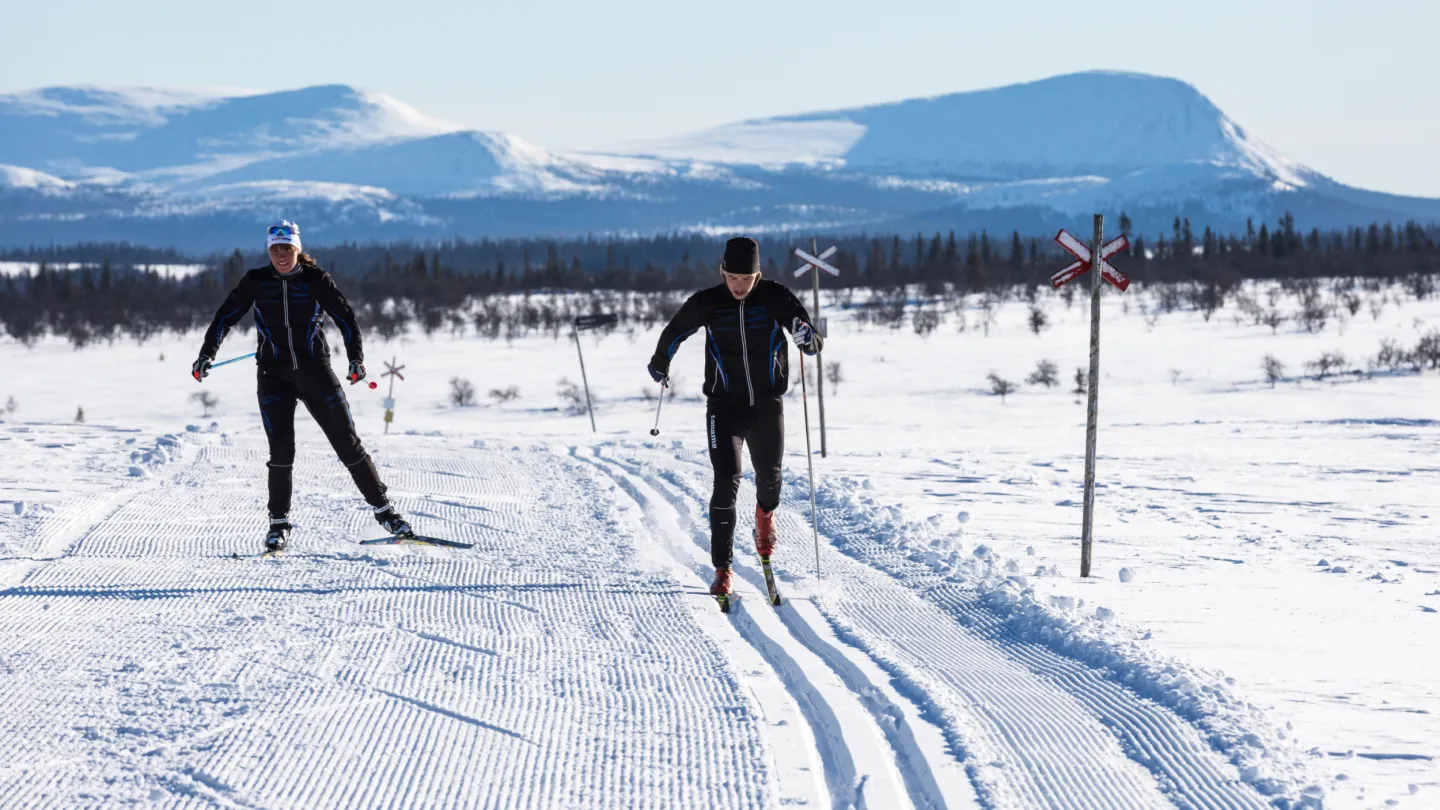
(1031,728)
(572,658)
(860,730)
(540,669)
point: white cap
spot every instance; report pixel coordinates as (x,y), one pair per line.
(283,232)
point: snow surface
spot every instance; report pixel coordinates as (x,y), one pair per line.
(1273,642)
(171,270)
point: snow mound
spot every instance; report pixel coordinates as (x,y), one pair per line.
(1259,747)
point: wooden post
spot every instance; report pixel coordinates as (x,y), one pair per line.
(390,396)
(585,380)
(819,366)
(1092,416)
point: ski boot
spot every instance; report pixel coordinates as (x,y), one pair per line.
(720,589)
(764,533)
(278,536)
(764,547)
(393,523)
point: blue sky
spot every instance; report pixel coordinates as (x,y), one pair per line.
(1352,89)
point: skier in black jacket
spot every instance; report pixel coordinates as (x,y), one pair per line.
(747,371)
(289,297)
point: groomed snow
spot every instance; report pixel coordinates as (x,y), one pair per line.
(1260,627)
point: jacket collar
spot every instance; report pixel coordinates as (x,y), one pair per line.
(290,276)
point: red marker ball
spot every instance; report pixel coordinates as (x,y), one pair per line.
(374,385)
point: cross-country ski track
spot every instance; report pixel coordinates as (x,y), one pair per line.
(570,659)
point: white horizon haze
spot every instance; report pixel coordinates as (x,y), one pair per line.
(1351,95)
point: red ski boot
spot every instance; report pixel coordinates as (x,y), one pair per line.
(765,546)
(764,533)
(720,589)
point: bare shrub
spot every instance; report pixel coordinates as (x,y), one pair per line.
(1426,353)
(1046,373)
(1038,321)
(1326,364)
(1273,319)
(1273,368)
(504,395)
(207,402)
(572,399)
(925,322)
(462,393)
(1000,386)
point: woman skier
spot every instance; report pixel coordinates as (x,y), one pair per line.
(747,371)
(288,297)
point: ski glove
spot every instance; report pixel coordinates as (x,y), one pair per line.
(656,374)
(806,337)
(200,369)
(357,372)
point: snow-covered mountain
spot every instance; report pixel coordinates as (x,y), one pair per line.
(199,168)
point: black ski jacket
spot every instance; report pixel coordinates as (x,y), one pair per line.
(288,323)
(746,356)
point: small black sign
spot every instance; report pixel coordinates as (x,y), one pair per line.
(586,322)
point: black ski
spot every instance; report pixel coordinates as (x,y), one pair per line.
(770,580)
(415,540)
(264,555)
(727,601)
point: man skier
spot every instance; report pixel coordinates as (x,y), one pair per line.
(288,297)
(747,371)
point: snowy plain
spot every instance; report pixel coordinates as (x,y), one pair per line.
(1272,643)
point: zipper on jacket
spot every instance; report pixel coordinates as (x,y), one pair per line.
(285,302)
(745,354)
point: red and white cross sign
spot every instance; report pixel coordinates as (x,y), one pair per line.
(1081,252)
(817,261)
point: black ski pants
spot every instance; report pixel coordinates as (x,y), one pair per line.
(729,426)
(279,389)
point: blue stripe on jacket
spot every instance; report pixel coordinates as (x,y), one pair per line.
(777,340)
(719,364)
(675,344)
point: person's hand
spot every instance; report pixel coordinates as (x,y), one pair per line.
(657,375)
(357,371)
(201,368)
(806,337)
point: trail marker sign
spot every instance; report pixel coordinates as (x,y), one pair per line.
(1082,263)
(1085,260)
(586,323)
(816,259)
(392,371)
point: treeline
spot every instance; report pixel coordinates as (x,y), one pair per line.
(117,253)
(487,285)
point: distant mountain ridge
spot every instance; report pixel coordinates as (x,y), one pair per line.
(200,169)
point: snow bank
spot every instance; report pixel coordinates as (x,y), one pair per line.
(1261,749)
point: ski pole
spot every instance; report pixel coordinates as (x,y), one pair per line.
(655,431)
(231,360)
(810,460)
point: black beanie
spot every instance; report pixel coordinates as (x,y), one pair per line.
(742,256)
